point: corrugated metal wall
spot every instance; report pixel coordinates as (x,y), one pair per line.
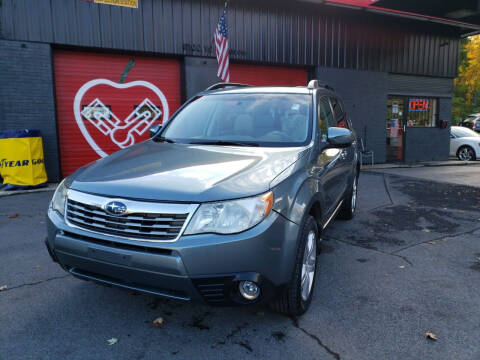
(420,86)
(286,32)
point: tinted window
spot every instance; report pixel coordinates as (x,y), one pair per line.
(265,119)
(325,115)
(340,120)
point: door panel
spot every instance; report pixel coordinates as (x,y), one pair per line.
(395,126)
(347,154)
(98,114)
(328,166)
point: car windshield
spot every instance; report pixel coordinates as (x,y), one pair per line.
(471,118)
(463,132)
(277,120)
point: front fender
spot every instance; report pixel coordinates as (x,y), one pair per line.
(295,196)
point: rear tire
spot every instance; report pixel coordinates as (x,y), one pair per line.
(466,153)
(296,298)
(347,211)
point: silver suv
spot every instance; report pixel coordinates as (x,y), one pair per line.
(225,204)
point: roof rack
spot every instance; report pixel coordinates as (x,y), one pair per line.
(224,85)
(316,84)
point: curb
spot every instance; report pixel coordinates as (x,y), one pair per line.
(427,164)
(49,187)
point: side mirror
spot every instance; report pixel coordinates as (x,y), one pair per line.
(154,130)
(339,137)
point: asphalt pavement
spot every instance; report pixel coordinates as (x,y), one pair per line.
(408,263)
(461,175)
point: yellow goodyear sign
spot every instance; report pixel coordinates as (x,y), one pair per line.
(21,158)
(126,3)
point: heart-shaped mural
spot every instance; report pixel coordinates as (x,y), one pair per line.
(103,125)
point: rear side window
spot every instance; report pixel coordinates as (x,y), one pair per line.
(340,119)
(325,115)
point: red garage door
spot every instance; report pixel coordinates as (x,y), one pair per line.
(98,113)
(260,75)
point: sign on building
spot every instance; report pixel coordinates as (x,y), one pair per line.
(126,3)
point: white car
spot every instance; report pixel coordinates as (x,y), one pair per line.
(472,122)
(464,143)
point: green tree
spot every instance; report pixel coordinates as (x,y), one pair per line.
(466,97)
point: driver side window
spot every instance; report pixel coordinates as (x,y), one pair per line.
(325,115)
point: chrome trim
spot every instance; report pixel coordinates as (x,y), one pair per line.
(133,206)
(333,215)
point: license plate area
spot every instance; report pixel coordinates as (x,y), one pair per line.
(109,256)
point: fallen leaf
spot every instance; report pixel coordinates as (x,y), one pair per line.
(112,341)
(426,230)
(430,335)
(3,287)
(36,267)
(432,242)
(13,216)
(158,323)
(402,266)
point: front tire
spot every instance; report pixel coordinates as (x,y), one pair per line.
(466,153)
(297,297)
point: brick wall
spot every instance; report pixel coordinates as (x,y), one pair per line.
(27,95)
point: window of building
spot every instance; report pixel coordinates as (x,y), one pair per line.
(422,112)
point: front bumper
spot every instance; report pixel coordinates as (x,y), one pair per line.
(200,268)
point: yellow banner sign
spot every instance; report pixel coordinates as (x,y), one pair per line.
(127,3)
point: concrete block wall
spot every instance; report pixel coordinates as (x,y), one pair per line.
(200,73)
(364,94)
(430,144)
(27,95)
(445,109)
(426,144)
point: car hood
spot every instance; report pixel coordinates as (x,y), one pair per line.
(184,172)
(470,140)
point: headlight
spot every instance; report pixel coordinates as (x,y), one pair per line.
(229,217)
(59,198)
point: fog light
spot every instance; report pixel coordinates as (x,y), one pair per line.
(249,290)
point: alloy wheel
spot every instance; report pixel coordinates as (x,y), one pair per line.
(308,265)
(465,154)
(354,194)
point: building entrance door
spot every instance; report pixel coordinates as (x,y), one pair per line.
(395,128)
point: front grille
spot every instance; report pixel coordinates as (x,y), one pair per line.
(119,245)
(153,226)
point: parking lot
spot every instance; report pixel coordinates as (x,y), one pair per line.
(407,264)
(465,174)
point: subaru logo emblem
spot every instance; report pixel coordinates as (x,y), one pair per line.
(116,208)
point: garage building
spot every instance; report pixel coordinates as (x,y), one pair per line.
(94,77)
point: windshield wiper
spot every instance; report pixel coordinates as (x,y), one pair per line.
(226,143)
(162,139)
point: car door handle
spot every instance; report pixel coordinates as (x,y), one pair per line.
(343,154)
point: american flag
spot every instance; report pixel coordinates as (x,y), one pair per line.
(221,48)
